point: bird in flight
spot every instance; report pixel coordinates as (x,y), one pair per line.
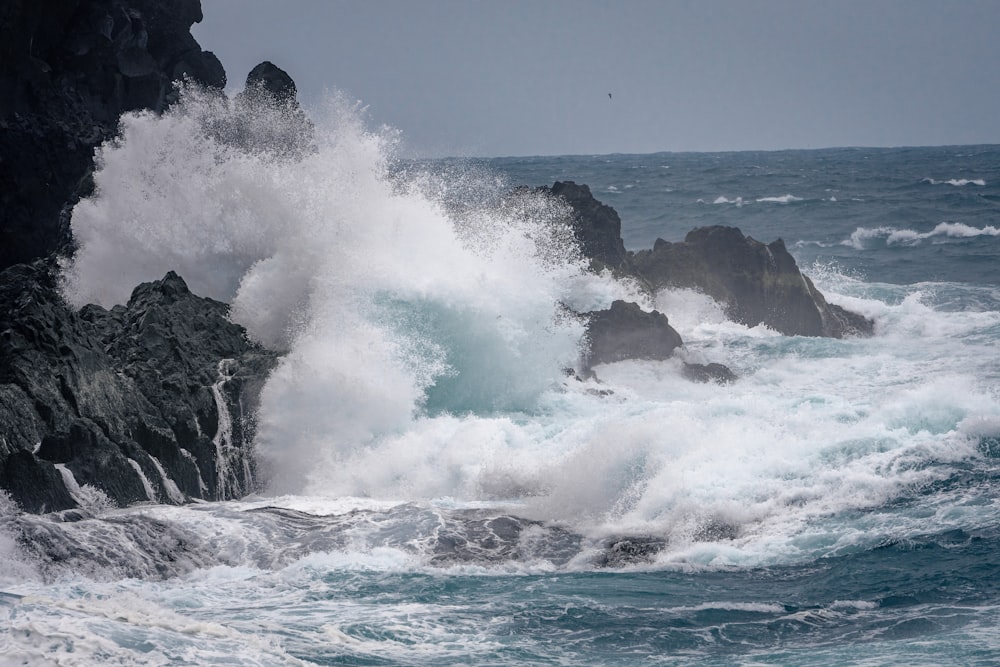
(609,96)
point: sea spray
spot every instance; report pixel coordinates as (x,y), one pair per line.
(427,329)
(390,304)
(836,504)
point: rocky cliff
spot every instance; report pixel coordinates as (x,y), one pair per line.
(68,70)
(148,401)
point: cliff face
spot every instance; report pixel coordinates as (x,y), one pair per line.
(149,401)
(68,70)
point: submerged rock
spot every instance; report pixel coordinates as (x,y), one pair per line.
(625,551)
(705,373)
(755,283)
(148,401)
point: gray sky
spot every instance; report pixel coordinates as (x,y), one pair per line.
(516,77)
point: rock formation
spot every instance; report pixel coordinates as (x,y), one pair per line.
(265,117)
(597,227)
(625,331)
(68,70)
(754,282)
(148,401)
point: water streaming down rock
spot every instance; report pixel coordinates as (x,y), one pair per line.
(231,457)
(122,398)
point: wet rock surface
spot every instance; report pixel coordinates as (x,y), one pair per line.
(625,331)
(756,283)
(148,401)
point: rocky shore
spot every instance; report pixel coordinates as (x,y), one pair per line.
(154,400)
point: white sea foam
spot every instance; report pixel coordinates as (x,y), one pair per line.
(426,341)
(783,199)
(894,236)
(386,303)
(738,201)
(146,484)
(957,182)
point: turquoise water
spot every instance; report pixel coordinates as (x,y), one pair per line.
(440,492)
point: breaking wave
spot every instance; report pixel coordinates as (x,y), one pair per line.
(957,182)
(893,236)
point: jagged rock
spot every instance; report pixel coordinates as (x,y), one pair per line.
(596,226)
(275,81)
(68,70)
(625,331)
(755,283)
(266,118)
(131,401)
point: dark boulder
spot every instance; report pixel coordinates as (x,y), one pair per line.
(274,81)
(266,117)
(626,331)
(755,283)
(149,401)
(68,70)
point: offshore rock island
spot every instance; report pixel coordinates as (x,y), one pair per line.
(154,400)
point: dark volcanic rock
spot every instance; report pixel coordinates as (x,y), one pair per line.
(596,226)
(150,401)
(755,283)
(274,80)
(68,69)
(266,117)
(625,331)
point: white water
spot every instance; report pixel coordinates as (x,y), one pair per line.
(425,345)
(894,236)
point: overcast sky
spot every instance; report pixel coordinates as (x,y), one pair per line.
(513,77)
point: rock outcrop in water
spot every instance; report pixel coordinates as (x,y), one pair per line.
(68,70)
(148,401)
(754,282)
(626,331)
(266,117)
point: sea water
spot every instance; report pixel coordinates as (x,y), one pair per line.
(437,490)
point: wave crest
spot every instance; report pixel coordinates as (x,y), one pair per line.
(893,236)
(957,182)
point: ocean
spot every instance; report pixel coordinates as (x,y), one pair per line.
(436,490)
